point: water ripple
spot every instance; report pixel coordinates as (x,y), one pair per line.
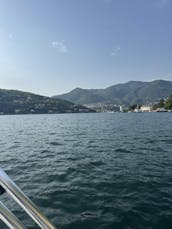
(100,171)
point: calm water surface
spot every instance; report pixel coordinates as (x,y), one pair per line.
(87,171)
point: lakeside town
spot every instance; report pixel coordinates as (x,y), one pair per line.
(19,102)
(163,105)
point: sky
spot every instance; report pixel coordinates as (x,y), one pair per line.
(50,47)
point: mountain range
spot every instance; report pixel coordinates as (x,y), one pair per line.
(18,102)
(133,92)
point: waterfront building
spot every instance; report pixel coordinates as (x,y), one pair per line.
(146,108)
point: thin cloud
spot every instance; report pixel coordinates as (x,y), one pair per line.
(60,46)
(115,51)
(11,36)
(6,35)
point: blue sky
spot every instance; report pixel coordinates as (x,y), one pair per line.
(52,46)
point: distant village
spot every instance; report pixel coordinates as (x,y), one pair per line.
(148,108)
(111,108)
(163,105)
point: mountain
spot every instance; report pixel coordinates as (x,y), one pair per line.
(18,102)
(133,92)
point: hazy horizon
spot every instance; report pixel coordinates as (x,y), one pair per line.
(52,47)
(81,88)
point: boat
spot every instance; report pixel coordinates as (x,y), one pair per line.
(161,110)
(8,186)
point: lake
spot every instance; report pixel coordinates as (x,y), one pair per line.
(91,171)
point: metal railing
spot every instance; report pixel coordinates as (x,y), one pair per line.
(6,184)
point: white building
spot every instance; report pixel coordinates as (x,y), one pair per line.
(146,108)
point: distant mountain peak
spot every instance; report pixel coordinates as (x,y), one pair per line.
(78,89)
(125,93)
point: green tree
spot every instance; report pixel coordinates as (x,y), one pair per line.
(132,107)
(168,103)
(160,104)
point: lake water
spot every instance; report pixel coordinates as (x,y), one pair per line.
(91,171)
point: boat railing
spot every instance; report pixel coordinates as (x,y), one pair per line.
(7,185)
